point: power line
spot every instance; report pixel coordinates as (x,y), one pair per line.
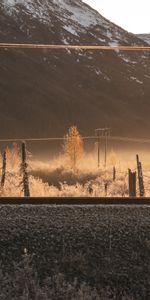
(113,138)
(128,139)
(41,139)
(84,47)
(31,139)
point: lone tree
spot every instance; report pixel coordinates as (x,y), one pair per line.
(73,147)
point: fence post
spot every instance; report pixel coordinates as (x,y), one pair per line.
(24,167)
(132,183)
(114,173)
(3,170)
(140,177)
(106,188)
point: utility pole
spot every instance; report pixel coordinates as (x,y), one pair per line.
(97,133)
(102,133)
(106,142)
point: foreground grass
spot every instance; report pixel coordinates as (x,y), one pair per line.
(75,252)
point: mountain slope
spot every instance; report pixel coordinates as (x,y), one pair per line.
(144,37)
(45,91)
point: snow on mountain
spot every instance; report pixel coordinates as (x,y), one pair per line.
(75,16)
(71,11)
(144,37)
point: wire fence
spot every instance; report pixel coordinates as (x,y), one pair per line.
(112,138)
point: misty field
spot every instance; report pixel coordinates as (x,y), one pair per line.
(56,177)
(96,252)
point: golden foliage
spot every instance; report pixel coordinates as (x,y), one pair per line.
(73,147)
(13,156)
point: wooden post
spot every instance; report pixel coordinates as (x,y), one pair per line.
(114,173)
(3,170)
(98,151)
(24,171)
(140,177)
(132,183)
(106,143)
(106,188)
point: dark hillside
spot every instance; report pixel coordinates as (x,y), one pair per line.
(43,92)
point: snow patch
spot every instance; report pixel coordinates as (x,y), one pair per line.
(78,15)
(137,80)
(127,59)
(70,29)
(98,72)
(147,76)
(144,37)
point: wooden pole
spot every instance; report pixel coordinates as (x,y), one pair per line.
(106,188)
(3,170)
(132,183)
(98,149)
(25,172)
(106,142)
(114,174)
(140,177)
(129,181)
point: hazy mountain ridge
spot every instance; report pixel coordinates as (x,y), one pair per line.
(43,92)
(145,37)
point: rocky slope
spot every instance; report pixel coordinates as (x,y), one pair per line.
(43,92)
(144,37)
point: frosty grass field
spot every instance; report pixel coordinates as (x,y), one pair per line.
(54,177)
(95,252)
(62,182)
